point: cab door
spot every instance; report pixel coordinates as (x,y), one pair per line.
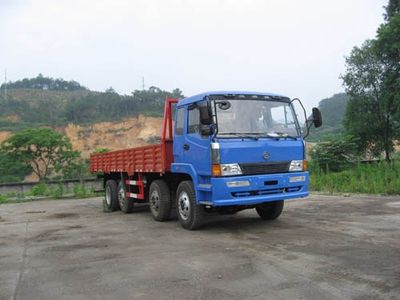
(179,134)
(196,148)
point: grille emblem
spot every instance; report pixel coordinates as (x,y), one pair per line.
(266,155)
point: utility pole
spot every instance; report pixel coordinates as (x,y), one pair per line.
(143,83)
(5,84)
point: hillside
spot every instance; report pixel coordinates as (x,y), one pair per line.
(332,110)
(130,132)
(33,107)
(90,119)
(44,101)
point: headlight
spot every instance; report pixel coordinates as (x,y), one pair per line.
(296,166)
(230,169)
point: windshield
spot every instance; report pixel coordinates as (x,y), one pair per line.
(256,117)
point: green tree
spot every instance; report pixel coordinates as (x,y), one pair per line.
(11,169)
(110,90)
(45,83)
(372,80)
(392,9)
(335,155)
(44,150)
(76,169)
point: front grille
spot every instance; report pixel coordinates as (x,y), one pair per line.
(258,193)
(266,192)
(265,168)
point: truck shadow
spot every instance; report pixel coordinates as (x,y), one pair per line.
(215,222)
(141,208)
(218,223)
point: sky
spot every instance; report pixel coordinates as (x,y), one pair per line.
(294,48)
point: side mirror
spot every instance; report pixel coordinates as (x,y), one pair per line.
(206,117)
(206,130)
(317,117)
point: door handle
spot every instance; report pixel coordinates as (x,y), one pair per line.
(186,147)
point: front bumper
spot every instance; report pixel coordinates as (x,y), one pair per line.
(262,188)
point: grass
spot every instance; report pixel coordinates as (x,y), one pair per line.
(15,198)
(379,178)
(43,191)
(5,200)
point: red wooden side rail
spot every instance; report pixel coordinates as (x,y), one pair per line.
(150,159)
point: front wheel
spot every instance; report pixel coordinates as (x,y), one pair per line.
(270,210)
(160,200)
(190,214)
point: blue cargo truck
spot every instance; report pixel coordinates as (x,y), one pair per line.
(225,152)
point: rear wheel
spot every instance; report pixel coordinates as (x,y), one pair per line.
(110,201)
(190,214)
(125,203)
(270,210)
(160,200)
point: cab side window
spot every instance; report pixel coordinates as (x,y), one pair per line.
(194,120)
(180,117)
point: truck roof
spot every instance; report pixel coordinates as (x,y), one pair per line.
(201,96)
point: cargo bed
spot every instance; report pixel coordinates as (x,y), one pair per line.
(150,159)
(155,158)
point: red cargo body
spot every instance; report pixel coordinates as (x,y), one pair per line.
(147,159)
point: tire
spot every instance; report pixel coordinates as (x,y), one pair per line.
(270,210)
(190,214)
(110,201)
(126,205)
(160,200)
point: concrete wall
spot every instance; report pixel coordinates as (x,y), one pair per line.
(24,187)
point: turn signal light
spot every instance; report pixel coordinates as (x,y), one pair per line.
(304,165)
(215,170)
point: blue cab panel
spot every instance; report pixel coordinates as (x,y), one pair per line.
(264,160)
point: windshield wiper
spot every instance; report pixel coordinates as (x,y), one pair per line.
(240,135)
(257,135)
(278,135)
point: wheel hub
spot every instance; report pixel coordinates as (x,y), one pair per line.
(184,205)
(121,197)
(155,201)
(108,195)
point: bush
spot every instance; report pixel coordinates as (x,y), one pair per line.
(12,169)
(335,155)
(101,150)
(40,189)
(153,140)
(57,192)
(3,198)
(80,191)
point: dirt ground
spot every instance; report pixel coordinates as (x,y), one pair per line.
(322,247)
